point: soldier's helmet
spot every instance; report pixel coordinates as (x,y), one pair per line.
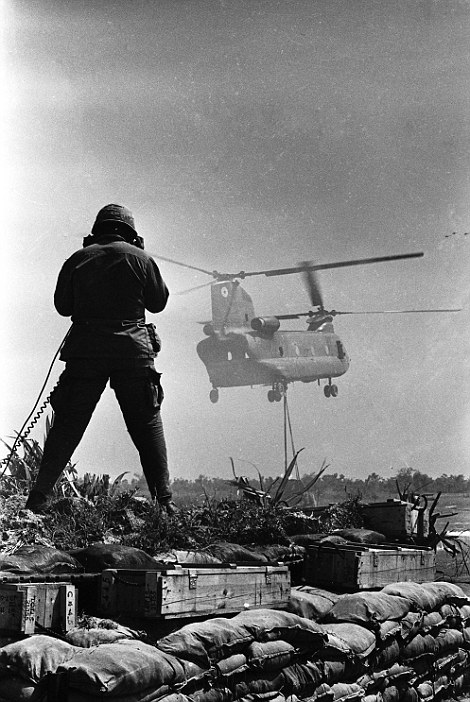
(115,214)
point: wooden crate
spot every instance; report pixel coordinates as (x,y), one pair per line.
(17,609)
(56,606)
(26,608)
(193,592)
(352,567)
(396,519)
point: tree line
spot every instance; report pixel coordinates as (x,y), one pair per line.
(329,488)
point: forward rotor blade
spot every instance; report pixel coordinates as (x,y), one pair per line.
(198,287)
(337,264)
(296,269)
(184,265)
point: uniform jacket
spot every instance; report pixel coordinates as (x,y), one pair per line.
(105,288)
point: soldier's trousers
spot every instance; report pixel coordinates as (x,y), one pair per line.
(138,390)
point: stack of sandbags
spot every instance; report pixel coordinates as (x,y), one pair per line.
(422,639)
(406,642)
(259,654)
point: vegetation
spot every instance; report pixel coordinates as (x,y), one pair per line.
(95,508)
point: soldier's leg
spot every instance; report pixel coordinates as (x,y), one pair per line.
(140,395)
(73,401)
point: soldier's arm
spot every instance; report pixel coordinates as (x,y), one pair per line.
(63,295)
(155,293)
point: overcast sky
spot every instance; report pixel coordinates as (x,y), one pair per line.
(249,134)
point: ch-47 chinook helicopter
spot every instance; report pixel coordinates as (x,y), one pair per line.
(242,348)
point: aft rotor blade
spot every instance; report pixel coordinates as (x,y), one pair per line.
(184,265)
(337,264)
(334,312)
(312,284)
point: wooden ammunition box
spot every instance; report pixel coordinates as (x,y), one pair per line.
(56,606)
(396,519)
(193,592)
(26,608)
(351,567)
(17,609)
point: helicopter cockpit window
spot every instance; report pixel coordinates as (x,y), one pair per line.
(341,351)
(281,351)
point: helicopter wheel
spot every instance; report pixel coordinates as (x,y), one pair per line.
(214,395)
(277,396)
(327,390)
(271,395)
(334,391)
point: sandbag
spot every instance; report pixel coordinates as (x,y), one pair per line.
(335,670)
(16,689)
(464,614)
(338,670)
(187,557)
(410,625)
(361,536)
(99,556)
(34,657)
(208,641)
(307,539)
(87,638)
(256,684)
(388,630)
(433,622)
(359,640)
(448,640)
(99,631)
(278,552)
(272,624)
(368,608)
(409,694)
(150,695)
(386,655)
(231,666)
(444,592)
(323,693)
(391,694)
(301,679)
(271,655)
(214,694)
(39,559)
(347,692)
(234,553)
(311,602)
(413,592)
(420,646)
(398,674)
(121,668)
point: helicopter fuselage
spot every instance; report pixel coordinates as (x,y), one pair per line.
(245,357)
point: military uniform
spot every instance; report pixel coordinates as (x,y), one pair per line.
(105,288)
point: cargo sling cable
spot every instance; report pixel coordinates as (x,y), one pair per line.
(24,432)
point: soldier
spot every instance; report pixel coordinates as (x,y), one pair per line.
(105,288)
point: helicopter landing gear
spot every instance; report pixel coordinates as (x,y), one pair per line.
(330,390)
(214,395)
(277,393)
